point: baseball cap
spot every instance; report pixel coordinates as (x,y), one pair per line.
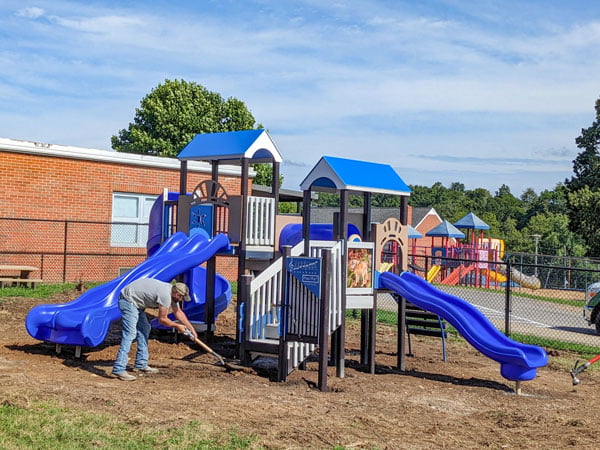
(183,290)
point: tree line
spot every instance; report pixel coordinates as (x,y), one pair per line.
(563,221)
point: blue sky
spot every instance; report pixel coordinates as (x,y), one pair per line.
(483,93)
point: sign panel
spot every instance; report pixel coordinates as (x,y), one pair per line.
(307,271)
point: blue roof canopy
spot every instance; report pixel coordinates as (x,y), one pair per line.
(413,234)
(350,174)
(255,145)
(471,221)
(445,229)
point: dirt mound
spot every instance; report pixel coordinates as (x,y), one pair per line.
(463,403)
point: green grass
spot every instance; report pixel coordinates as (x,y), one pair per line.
(40,291)
(46,426)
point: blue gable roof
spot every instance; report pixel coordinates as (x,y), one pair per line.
(351,174)
(232,145)
(471,221)
(445,229)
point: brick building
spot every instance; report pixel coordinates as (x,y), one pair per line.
(80,213)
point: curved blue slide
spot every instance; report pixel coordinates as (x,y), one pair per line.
(518,362)
(85,320)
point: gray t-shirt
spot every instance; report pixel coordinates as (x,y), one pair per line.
(148,293)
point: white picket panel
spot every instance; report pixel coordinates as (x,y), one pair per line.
(260,221)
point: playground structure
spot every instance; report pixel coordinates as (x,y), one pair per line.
(296,279)
(478,261)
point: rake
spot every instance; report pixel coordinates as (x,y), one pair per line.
(578,368)
(220,359)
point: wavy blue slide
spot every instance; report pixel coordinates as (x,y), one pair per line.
(518,362)
(85,320)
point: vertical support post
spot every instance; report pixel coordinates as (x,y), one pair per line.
(243,226)
(306,221)
(242,325)
(282,368)
(401,344)
(324,318)
(401,352)
(211,268)
(340,333)
(182,191)
(183,177)
(365,314)
(507,301)
(275,187)
(372,336)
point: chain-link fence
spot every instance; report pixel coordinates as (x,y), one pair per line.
(71,251)
(530,302)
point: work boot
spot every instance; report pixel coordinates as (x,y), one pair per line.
(124,376)
(146,369)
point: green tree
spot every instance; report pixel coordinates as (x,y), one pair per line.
(264,175)
(174,112)
(556,238)
(585,207)
(586,165)
(583,189)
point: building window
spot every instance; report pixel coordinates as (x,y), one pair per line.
(130,217)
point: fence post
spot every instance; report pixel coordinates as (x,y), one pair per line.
(65,252)
(507,307)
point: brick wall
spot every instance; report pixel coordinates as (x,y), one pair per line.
(61,188)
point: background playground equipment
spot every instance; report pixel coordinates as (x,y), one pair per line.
(485,265)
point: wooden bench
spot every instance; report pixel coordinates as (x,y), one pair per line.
(27,282)
(19,276)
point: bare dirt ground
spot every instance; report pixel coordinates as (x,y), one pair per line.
(463,403)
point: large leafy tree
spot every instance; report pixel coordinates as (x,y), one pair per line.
(174,112)
(584,186)
(586,165)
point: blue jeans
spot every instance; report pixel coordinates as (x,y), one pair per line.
(135,327)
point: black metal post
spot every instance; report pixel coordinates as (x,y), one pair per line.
(306,221)
(65,252)
(275,186)
(243,298)
(242,244)
(324,318)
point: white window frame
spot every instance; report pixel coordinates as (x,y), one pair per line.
(137,220)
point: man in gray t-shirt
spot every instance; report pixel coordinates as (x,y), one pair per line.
(134,299)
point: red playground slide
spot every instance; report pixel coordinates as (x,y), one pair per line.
(457,274)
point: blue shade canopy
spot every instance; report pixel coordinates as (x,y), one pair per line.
(413,234)
(232,145)
(445,229)
(353,175)
(471,221)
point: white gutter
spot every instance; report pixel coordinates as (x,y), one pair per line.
(109,156)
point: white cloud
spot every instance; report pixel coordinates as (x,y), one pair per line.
(30,13)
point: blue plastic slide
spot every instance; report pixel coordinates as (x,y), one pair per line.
(85,320)
(518,362)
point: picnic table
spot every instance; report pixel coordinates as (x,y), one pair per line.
(18,275)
